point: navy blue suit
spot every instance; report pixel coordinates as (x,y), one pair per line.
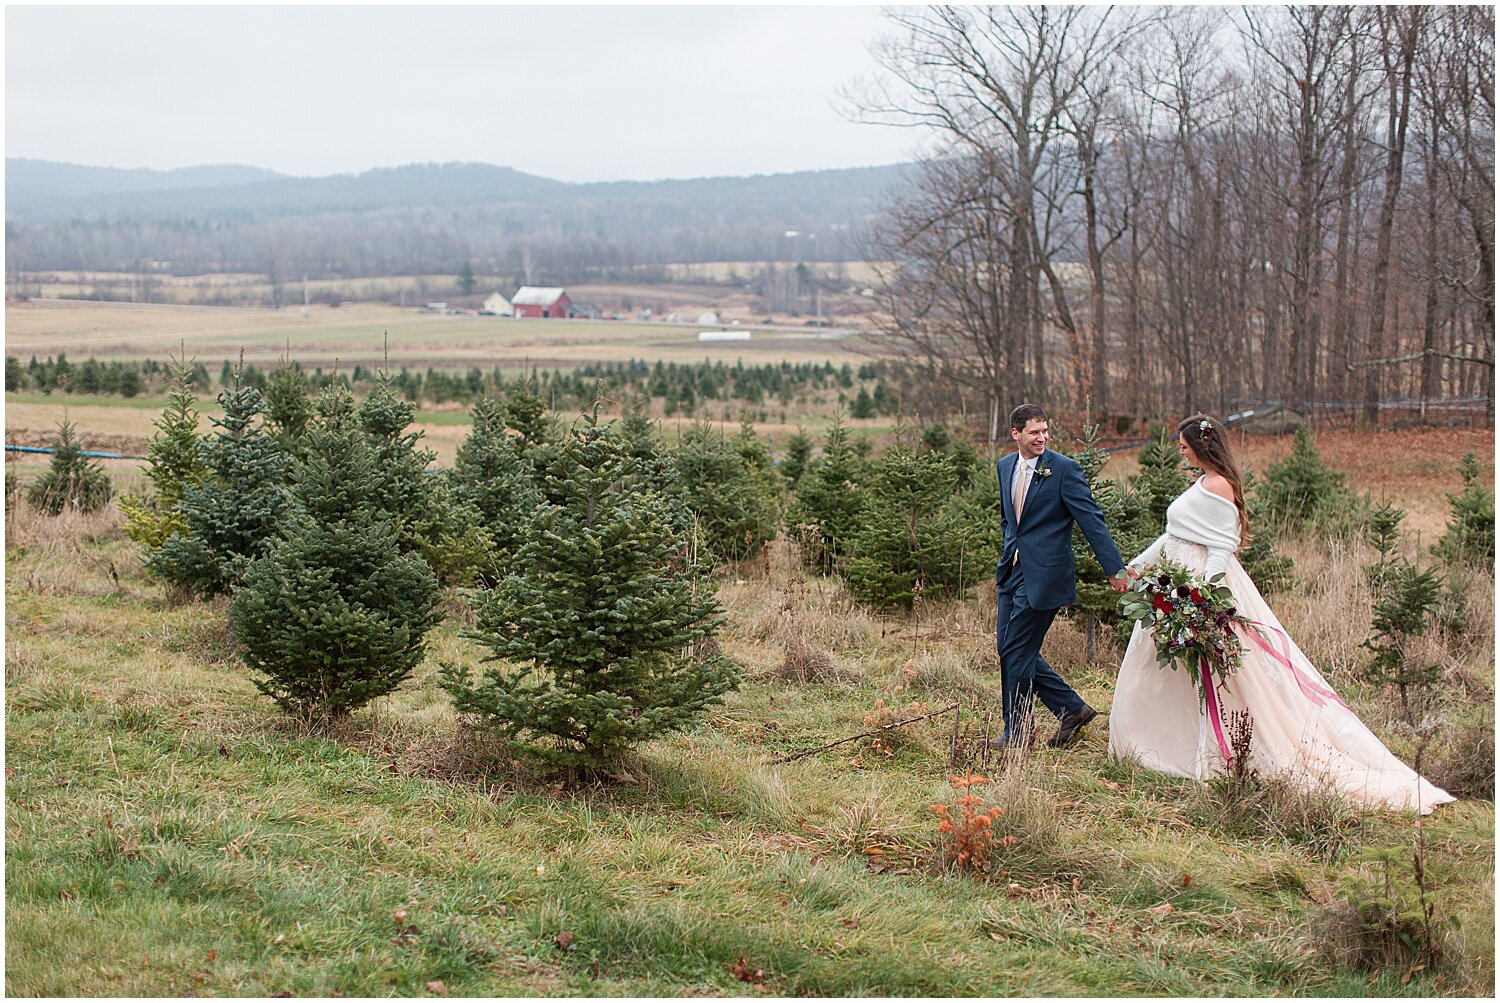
(1030,591)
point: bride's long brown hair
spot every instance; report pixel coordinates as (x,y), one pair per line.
(1211,446)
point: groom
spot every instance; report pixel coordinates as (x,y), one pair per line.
(1042,494)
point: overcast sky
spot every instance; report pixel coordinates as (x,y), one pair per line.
(573,93)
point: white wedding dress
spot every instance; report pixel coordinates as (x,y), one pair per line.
(1301,728)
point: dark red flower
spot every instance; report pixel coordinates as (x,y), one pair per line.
(1196,596)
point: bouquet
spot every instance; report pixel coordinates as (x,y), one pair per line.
(1193,622)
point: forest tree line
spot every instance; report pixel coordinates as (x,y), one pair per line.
(1135,206)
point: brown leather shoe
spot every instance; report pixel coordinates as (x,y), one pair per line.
(1070,725)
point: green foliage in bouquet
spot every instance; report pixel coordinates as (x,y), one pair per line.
(599,632)
(72,481)
(1192,621)
(1470,537)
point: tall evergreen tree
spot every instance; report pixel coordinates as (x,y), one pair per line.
(599,619)
(233,514)
(402,488)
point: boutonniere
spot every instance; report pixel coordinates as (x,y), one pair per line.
(1042,470)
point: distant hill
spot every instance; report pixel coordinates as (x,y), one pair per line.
(31,181)
(426,217)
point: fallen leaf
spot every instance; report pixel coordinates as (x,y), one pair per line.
(874,851)
(1414,969)
(1161,910)
(211,955)
(1111,785)
(399,916)
(10,774)
(1187,880)
(851,924)
(564,941)
(742,971)
(436,986)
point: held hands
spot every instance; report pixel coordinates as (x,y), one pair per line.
(1121,582)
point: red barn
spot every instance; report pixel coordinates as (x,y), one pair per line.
(535,301)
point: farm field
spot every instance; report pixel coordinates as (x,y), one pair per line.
(170,832)
(356,335)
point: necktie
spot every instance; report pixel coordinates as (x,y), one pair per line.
(1019,499)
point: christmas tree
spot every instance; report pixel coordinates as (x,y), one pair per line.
(597,625)
(734,506)
(174,463)
(233,514)
(1470,536)
(334,615)
(825,514)
(909,535)
(72,481)
(492,474)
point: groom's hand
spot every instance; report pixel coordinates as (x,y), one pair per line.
(1121,582)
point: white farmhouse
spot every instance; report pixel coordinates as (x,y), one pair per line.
(496,306)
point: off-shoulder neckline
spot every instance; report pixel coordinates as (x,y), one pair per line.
(1200,485)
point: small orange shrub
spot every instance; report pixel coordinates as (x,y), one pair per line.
(967,837)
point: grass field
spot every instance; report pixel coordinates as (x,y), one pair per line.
(356,334)
(170,833)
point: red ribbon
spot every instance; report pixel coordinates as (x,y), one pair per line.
(1207,678)
(1317,694)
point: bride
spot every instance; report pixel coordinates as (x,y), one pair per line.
(1300,726)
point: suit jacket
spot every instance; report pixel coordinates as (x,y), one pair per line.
(1045,534)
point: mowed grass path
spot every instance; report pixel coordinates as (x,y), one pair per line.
(170,833)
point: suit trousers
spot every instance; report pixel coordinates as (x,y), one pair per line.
(1024,673)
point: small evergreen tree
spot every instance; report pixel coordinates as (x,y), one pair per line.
(735,509)
(863,405)
(402,488)
(1382,532)
(1470,536)
(798,453)
(1302,492)
(1405,609)
(492,473)
(334,615)
(288,406)
(909,536)
(234,513)
(526,413)
(1269,570)
(466,280)
(1161,478)
(174,463)
(825,514)
(72,481)
(599,618)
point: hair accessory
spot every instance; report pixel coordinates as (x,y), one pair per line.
(1205,427)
